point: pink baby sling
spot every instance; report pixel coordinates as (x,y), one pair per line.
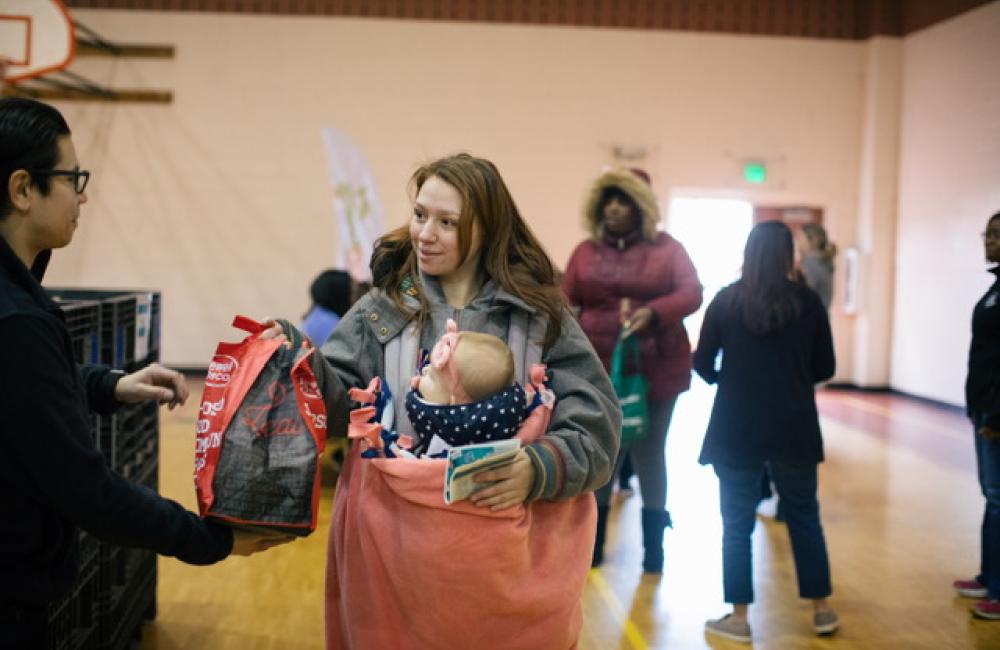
(406,571)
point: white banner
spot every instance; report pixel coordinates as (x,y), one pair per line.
(357,209)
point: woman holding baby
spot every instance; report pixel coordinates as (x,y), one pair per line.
(506,568)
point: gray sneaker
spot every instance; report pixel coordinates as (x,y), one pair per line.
(730,628)
(826,623)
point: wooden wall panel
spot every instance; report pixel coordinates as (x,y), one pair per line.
(836,19)
(917,14)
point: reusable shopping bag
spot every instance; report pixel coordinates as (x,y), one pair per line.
(631,387)
(260,432)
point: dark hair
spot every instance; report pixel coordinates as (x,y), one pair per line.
(995,216)
(332,290)
(29,139)
(511,255)
(766,298)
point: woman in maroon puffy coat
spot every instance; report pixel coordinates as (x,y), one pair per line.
(629,275)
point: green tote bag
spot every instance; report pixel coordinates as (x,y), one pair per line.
(630,388)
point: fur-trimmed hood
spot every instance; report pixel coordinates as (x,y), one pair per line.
(638,189)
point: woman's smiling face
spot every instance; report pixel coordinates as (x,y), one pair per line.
(434,230)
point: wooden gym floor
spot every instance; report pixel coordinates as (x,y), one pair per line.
(900,505)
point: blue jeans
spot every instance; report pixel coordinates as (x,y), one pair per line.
(739,493)
(988,464)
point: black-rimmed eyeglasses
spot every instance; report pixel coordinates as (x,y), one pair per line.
(80,176)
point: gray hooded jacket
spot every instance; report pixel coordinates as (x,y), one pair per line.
(577,453)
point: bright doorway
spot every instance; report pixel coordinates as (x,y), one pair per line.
(713,231)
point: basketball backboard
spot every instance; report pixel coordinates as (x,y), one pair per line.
(36,37)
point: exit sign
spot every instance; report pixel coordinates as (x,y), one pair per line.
(755,172)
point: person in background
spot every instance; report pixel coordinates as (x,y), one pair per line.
(52,477)
(625,474)
(629,276)
(767,325)
(331,294)
(816,253)
(982,399)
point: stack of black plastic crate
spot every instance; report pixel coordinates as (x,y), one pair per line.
(74,620)
(122,591)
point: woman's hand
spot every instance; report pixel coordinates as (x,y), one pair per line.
(273,330)
(640,319)
(514,482)
(152,383)
(245,543)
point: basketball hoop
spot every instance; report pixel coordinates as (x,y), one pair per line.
(36,37)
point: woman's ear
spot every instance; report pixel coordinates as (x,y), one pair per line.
(19,190)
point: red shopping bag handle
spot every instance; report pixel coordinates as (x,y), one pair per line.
(248,324)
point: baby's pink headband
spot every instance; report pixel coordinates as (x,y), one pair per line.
(442,357)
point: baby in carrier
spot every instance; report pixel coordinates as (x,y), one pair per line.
(465,394)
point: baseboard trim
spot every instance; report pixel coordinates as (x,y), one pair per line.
(846,385)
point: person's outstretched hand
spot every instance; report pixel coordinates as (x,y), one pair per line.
(153,383)
(514,484)
(273,331)
(638,321)
(245,543)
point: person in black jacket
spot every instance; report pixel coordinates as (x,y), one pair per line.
(775,340)
(982,399)
(52,478)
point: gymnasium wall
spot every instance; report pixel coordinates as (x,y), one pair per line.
(949,185)
(221,199)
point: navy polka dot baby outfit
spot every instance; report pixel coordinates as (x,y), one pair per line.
(495,418)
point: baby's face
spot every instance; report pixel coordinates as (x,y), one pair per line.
(432,386)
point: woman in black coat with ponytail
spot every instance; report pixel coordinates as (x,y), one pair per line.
(775,340)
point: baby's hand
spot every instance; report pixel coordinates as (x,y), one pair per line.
(514,482)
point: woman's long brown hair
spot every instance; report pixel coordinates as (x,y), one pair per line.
(511,255)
